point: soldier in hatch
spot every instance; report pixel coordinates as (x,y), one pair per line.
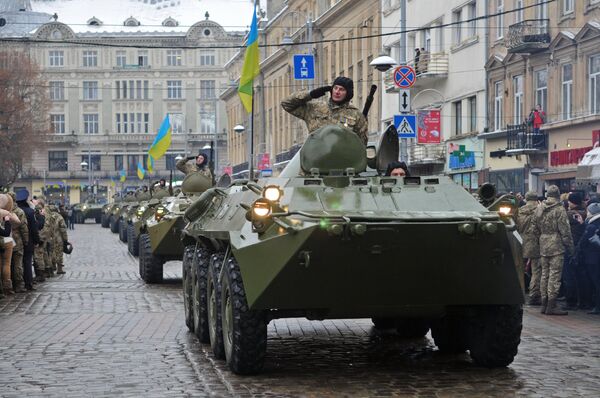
(337,110)
(200,165)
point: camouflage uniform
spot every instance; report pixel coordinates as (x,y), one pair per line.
(319,113)
(59,238)
(531,247)
(555,238)
(185,167)
(41,255)
(21,237)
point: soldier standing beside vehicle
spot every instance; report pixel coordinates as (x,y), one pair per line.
(555,239)
(59,239)
(337,110)
(199,166)
(531,249)
(20,235)
(41,252)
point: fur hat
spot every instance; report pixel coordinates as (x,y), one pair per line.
(531,195)
(347,83)
(6,202)
(553,192)
(575,198)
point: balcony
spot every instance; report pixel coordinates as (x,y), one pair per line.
(522,140)
(61,139)
(430,68)
(132,67)
(528,37)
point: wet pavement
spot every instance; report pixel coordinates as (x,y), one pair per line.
(99,330)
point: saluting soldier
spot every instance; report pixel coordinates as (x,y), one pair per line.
(337,110)
(200,165)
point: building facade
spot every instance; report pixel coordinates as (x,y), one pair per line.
(110,89)
(449,63)
(277,134)
(546,54)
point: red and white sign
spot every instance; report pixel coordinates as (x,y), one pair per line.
(429,127)
(404,76)
(264,161)
(228,170)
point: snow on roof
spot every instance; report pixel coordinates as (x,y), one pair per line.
(232,15)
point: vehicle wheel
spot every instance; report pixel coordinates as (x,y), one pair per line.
(213,294)
(200,307)
(123,232)
(130,239)
(384,323)
(450,334)
(412,328)
(98,219)
(141,260)
(152,266)
(105,221)
(114,224)
(244,330)
(188,260)
(495,334)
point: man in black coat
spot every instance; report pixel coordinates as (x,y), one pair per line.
(589,252)
(34,238)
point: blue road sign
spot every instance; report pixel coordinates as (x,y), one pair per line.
(406,126)
(304,67)
(404,76)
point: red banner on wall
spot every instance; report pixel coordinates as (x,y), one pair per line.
(227,170)
(568,156)
(264,161)
(429,127)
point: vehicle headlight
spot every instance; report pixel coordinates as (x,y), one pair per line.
(261,208)
(84,207)
(159,213)
(505,210)
(272,193)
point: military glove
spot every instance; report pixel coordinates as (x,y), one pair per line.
(319,92)
(191,158)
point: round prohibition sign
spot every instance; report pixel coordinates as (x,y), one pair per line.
(404,76)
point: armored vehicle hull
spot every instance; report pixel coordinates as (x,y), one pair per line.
(84,211)
(322,241)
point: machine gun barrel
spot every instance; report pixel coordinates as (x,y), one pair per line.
(369,100)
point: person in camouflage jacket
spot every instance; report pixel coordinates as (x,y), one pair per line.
(20,235)
(531,247)
(41,253)
(59,238)
(555,239)
(200,165)
(337,110)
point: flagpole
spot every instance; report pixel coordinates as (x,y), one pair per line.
(251,139)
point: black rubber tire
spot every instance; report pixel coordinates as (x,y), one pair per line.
(495,334)
(244,330)
(412,328)
(152,266)
(98,219)
(141,260)
(114,224)
(384,323)
(199,299)
(133,242)
(450,334)
(186,265)
(123,232)
(105,222)
(213,295)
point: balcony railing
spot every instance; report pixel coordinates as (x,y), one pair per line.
(427,154)
(527,37)
(429,67)
(522,139)
(132,67)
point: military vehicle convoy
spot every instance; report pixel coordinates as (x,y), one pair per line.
(142,214)
(330,239)
(160,236)
(90,209)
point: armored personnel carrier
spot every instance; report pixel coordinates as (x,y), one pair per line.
(143,213)
(160,236)
(90,209)
(329,239)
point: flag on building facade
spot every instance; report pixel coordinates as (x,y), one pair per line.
(251,67)
(162,142)
(140,171)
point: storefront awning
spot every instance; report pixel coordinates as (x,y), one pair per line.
(558,174)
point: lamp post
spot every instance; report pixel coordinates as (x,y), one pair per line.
(239,129)
(84,165)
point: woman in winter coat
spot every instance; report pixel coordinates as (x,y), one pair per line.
(589,253)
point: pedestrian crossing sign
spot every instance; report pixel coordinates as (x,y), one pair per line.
(406,126)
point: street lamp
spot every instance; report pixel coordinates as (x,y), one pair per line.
(239,129)
(178,157)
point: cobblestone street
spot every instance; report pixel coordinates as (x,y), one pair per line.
(99,330)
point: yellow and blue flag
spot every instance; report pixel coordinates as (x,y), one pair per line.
(162,142)
(150,163)
(122,175)
(251,67)
(140,171)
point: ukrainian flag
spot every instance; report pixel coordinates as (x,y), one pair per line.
(251,67)
(123,175)
(140,171)
(162,142)
(150,162)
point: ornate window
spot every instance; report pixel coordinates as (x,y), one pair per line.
(131,21)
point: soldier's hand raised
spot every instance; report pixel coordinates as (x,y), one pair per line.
(319,92)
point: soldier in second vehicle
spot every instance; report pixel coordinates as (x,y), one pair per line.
(531,248)
(337,110)
(199,166)
(555,239)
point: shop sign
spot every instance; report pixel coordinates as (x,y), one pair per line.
(429,126)
(568,156)
(460,158)
(227,170)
